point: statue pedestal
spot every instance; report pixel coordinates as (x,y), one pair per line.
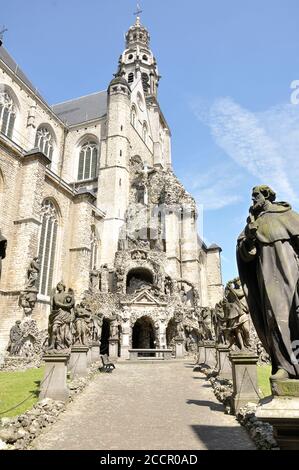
(200,357)
(179,348)
(210,354)
(282,411)
(54,383)
(244,372)
(78,361)
(125,346)
(95,352)
(89,360)
(223,362)
(113,348)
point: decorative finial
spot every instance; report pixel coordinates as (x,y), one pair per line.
(137,13)
(3,30)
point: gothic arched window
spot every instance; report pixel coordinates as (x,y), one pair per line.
(7,114)
(88,161)
(133,116)
(44,141)
(47,246)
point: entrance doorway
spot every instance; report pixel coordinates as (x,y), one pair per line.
(143,334)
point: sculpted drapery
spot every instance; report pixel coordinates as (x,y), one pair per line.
(268,261)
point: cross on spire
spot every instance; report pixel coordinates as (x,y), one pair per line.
(138,11)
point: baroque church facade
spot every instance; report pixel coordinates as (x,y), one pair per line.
(88,196)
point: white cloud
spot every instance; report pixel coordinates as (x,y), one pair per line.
(216,188)
(265,144)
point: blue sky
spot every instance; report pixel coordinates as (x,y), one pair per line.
(226,66)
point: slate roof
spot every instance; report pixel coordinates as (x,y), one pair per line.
(82,109)
(71,112)
(11,63)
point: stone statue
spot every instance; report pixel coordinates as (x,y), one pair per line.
(28,297)
(3,245)
(15,339)
(81,324)
(60,319)
(236,315)
(32,273)
(267,254)
(96,327)
(94,279)
(206,314)
(220,324)
(114,327)
(180,330)
(28,300)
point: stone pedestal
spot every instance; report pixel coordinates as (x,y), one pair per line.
(244,373)
(89,360)
(54,383)
(282,412)
(210,354)
(113,348)
(78,361)
(95,352)
(223,363)
(179,348)
(201,353)
(125,345)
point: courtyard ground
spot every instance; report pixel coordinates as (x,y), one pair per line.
(146,406)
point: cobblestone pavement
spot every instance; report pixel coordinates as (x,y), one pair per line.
(146,406)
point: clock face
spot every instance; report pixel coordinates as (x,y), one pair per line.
(140,102)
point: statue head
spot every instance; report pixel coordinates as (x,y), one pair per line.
(261,195)
(60,286)
(18,322)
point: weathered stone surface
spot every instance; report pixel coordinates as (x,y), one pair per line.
(283,414)
(268,266)
(244,374)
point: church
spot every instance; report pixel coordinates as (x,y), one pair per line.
(89,197)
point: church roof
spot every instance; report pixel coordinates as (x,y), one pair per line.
(71,112)
(82,109)
(11,63)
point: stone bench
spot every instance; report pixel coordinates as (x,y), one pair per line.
(158,353)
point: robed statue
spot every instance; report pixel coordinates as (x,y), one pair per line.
(268,262)
(60,318)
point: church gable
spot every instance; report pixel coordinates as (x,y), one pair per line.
(145,298)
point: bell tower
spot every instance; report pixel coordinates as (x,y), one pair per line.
(137,61)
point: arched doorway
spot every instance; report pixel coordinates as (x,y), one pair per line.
(139,278)
(143,336)
(104,348)
(171,332)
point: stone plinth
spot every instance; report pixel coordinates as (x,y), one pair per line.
(244,374)
(200,357)
(113,348)
(210,354)
(223,363)
(54,383)
(89,361)
(78,361)
(282,412)
(179,348)
(95,352)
